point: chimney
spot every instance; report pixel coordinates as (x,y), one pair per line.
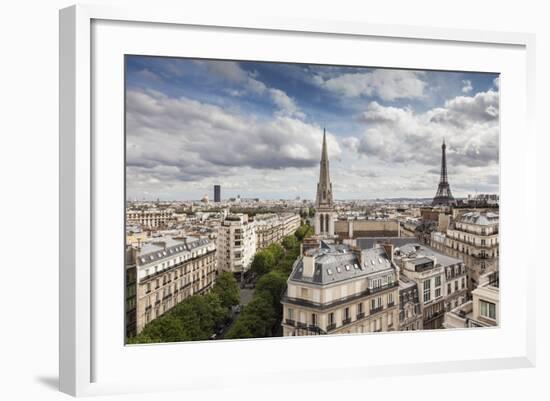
(388,247)
(358,253)
(309,265)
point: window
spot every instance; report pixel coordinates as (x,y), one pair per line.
(427,290)
(390,297)
(456,285)
(487,309)
(438,281)
(376,283)
(360,308)
(462,283)
(449,289)
(314,319)
(331,318)
(437,292)
(148,287)
(346,313)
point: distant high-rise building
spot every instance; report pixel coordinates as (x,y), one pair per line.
(217,193)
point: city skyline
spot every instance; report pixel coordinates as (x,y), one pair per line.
(256,129)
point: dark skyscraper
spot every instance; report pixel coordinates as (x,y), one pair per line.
(217,193)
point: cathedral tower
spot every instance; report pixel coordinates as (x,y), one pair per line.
(324,204)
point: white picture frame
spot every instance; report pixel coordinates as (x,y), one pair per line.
(84,352)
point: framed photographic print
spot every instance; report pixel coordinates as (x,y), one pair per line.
(236,190)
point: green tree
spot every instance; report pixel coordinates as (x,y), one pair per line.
(241,329)
(277,251)
(261,315)
(290,242)
(227,289)
(263,262)
(272,285)
(165,329)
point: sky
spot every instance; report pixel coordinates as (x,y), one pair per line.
(255,128)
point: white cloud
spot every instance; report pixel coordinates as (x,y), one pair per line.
(467,86)
(399,135)
(148,75)
(386,84)
(232,72)
(286,104)
(170,141)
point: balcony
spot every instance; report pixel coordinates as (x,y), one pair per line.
(331,326)
(290,322)
(382,288)
(301,325)
(315,329)
(376,310)
(390,304)
(340,301)
(360,315)
(346,321)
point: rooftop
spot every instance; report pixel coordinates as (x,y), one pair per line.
(481,219)
(408,247)
(165,247)
(334,263)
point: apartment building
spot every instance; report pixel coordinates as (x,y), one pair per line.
(149,218)
(236,243)
(440,279)
(336,289)
(272,228)
(410,313)
(290,222)
(472,237)
(484,308)
(162,273)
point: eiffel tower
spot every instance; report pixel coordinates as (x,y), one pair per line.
(443,196)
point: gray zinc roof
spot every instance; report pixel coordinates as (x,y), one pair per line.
(422,251)
(337,263)
(370,242)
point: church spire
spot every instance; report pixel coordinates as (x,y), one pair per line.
(324,187)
